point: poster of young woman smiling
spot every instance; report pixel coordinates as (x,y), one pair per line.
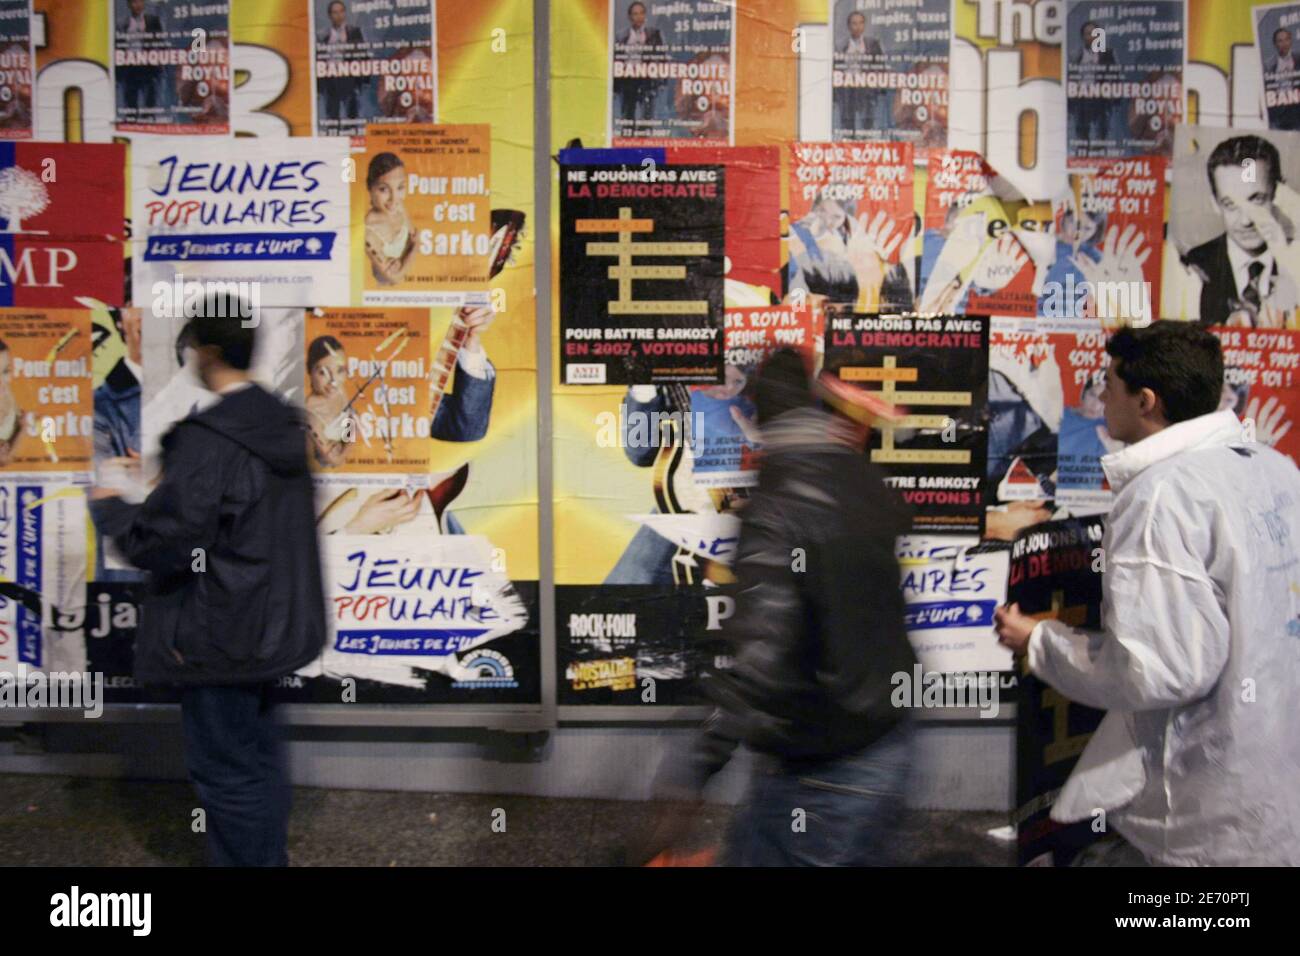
(422,229)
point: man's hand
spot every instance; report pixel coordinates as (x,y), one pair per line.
(1285,253)
(1013,628)
(115,477)
(477,319)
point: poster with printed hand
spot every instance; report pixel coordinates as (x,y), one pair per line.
(1047,426)
(851,216)
(724,439)
(983,245)
(1261,384)
(1107,234)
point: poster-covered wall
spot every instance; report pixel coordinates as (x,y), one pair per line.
(360,173)
(1027,176)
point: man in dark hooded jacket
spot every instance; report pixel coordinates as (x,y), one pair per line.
(817,635)
(235,599)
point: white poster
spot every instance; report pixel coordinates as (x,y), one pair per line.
(951,591)
(271,220)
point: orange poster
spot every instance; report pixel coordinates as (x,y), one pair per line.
(46,387)
(367,390)
(422,228)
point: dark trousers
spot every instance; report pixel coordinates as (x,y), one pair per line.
(341,94)
(636,96)
(235,759)
(840,812)
(140,86)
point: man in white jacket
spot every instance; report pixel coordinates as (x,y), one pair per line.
(1198,760)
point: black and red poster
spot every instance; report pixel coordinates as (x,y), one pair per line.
(1055,574)
(641,272)
(936,368)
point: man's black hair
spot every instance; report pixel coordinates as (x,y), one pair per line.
(1277,31)
(333,3)
(1179,361)
(781,385)
(223,324)
(1236,150)
(633,5)
(855,13)
(184,340)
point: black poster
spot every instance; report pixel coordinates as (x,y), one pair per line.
(936,368)
(641,267)
(637,644)
(1055,573)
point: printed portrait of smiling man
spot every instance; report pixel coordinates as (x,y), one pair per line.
(1242,281)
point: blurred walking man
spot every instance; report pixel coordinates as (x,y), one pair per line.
(1199,661)
(817,634)
(235,599)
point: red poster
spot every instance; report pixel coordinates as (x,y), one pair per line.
(61,208)
(851,214)
(753,176)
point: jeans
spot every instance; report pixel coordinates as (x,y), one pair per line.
(839,812)
(235,760)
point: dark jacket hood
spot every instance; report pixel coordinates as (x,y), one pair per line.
(262,423)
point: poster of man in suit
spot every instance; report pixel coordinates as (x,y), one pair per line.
(889,71)
(1232,227)
(171,66)
(1275,31)
(372,66)
(16,79)
(1123,70)
(670,73)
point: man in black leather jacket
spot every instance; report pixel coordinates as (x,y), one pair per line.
(235,599)
(818,633)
